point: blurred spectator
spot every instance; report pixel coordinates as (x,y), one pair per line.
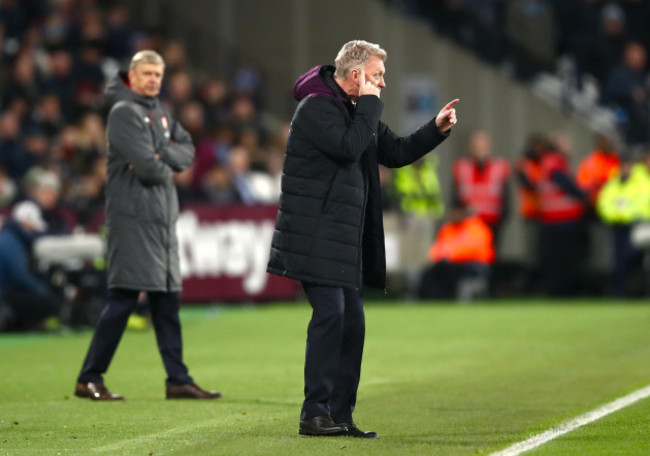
(192,117)
(60,80)
(47,116)
(607,45)
(178,91)
(481,182)
(626,91)
(562,233)
(28,299)
(119,34)
(23,83)
(44,186)
(249,139)
(417,188)
(217,186)
(461,255)
(528,172)
(12,154)
(213,94)
(623,201)
(251,187)
(175,56)
(86,195)
(213,151)
(244,114)
(14,21)
(597,167)
(530,25)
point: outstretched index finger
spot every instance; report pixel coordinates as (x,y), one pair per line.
(451,104)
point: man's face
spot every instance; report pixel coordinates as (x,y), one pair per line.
(374,73)
(146,79)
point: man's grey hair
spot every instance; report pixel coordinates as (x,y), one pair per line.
(146,56)
(355,54)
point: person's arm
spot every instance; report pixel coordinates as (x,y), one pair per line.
(568,185)
(394,151)
(323,122)
(179,153)
(21,276)
(523,180)
(505,202)
(131,137)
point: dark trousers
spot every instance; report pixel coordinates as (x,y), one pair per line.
(112,322)
(564,250)
(28,309)
(440,280)
(628,260)
(334,349)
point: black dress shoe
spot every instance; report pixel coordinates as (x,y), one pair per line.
(96,392)
(354,431)
(190,391)
(321,426)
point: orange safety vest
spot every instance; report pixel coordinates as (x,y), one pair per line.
(529,199)
(554,204)
(594,170)
(469,241)
(481,188)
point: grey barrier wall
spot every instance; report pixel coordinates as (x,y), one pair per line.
(283,38)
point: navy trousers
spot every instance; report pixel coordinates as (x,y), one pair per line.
(111,325)
(335,339)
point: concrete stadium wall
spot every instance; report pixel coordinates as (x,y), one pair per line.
(285,37)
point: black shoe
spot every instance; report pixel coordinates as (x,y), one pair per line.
(354,431)
(321,426)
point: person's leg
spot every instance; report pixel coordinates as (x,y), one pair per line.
(346,384)
(438,281)
(108,333)
(324,338)
(164,314)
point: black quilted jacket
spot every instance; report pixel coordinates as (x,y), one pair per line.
(329,229)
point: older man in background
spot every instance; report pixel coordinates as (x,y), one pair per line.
(145,148)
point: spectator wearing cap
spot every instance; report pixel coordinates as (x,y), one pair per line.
(28,300)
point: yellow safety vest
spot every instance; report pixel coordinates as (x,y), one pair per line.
(626,202)
(418,188)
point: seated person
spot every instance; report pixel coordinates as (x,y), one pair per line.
(463,249)
(27,300)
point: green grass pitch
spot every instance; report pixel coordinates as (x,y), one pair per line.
(436,380)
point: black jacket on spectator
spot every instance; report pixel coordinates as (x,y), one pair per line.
(329,228)
(141,200)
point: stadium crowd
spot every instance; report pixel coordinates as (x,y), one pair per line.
(603,41)
(55,58)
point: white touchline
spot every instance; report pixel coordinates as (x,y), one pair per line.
(589,417)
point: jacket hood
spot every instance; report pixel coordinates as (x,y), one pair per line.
(118,89)
(318,81)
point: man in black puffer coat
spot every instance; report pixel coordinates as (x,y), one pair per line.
(329,230)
